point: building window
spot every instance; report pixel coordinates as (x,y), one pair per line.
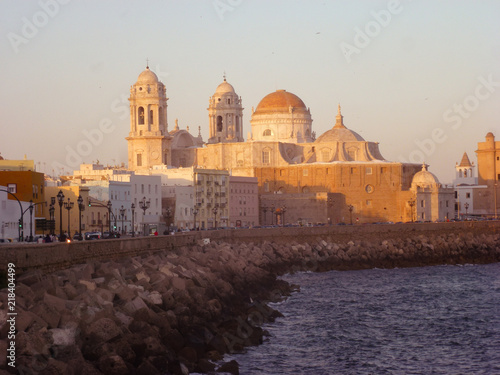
(422,203)
(141,116)
(354,170)
(151,117)
(266,187)
(219,123)
(305,172)
(142,188)
(368,170)
(266,157)
(369,202)
(12,188)
(139,160)
(325,154)
(267,133)
(383,170)
(467,195)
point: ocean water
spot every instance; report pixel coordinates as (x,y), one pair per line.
(428,320)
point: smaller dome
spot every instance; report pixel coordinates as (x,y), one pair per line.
(147,76)
(339,134)
(224,88)
(490,136)
(424,178)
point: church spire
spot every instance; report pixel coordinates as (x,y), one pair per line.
(339,120)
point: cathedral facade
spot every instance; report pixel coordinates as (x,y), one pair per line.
(336,175)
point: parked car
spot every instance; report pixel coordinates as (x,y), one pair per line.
(92,236)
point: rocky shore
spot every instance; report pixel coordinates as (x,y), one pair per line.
(178,311)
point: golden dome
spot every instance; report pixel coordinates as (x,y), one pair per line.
(281,100)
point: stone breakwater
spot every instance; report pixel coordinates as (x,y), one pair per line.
(179,311)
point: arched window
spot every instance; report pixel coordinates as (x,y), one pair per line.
(267,133)
(219,123)
(139,160)
(228,101)
(140,114)
(151,117)
(460,173)
(465,172)
(308,133)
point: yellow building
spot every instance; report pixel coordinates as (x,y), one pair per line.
(486,200)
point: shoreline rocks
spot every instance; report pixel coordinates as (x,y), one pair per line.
(179,311)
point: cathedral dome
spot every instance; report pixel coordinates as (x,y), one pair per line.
(424,178)
(147,76)
(280,101)
(224,87)
(339,134)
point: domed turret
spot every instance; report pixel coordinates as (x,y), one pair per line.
(225,115)
(147,77)
(424,179)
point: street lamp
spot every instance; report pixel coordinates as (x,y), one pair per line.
(51,213)
(122,215)
(273,211)
(411,203)
(60,198)
(264,209)
(144,204)
(109,205)
(31,220)
(350,208)
(195,212)
(81,207)
(132,207)
(283,210)
(329,209)
(466,205)
(214,210)
(69,205)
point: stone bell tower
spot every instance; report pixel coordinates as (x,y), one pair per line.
(148,140)
(225,115)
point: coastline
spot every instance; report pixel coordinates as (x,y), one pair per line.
(180,310)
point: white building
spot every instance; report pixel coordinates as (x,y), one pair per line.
(10,213)
(465,184)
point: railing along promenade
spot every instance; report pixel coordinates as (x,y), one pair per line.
(61,255)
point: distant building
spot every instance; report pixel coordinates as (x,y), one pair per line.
(243,201)
(487,200)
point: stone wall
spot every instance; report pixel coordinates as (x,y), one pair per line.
(55,256)
(180,310)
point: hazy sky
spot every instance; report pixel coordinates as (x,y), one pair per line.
(420,77)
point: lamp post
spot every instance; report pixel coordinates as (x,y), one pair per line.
(264,209)
(81,207)
(195,212)
(466,205)
(68,206)
(411,203)
(214,210)
(273,211)
(329,209)
(51,214)
(31,220)
(350,208)
(132,207)
(109,205)
(122,215)
(144,204)
(60,198)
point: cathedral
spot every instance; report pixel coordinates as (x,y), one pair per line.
(331,178)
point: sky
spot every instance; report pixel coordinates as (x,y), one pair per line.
(422,78)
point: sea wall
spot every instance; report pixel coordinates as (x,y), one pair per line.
(54,256)
(179,310)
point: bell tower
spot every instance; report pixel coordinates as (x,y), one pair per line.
(148,140)
(225,115)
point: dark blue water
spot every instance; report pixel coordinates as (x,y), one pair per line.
(430,320)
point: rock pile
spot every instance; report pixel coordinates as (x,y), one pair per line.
(179,311)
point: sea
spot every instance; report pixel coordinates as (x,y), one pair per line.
(426,320)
